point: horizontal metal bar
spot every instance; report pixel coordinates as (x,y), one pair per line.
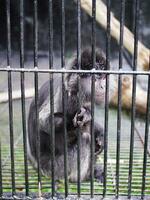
(59,71)
(71,196)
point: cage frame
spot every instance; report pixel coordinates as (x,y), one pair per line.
(8,69)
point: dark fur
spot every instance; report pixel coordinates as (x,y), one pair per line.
(72,113)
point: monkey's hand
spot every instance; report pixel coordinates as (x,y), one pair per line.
(82,118)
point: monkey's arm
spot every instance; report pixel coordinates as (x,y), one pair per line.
(46,123)
(45,105)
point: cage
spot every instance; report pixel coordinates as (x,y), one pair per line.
(126,154)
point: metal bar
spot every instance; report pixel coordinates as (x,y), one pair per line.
(23,95)
(1,182)
(136,5)
(79,67)
(35,19)
(93,96)
(64,95)
(36,92)
(64,71)
(142,139)
(146,139)
(10,97)
(52,128)
(122,15)
(63,34)
(106,98)
(127,57)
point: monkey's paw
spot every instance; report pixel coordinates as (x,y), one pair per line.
(82,118)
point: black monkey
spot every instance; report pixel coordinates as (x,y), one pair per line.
(75,118)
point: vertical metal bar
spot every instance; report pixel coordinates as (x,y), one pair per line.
(10,97)
(79,67)
(133,16)
(63,34)
(1,182)
(93,96)
(136,5)
(35,34)
(64,95)
(23,95)
(122,15)
(52,128)
(146,137)
(36,92)
(106,97)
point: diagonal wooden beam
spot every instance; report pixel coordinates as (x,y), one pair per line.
(128,41)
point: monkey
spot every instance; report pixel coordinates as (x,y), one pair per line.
(77,117)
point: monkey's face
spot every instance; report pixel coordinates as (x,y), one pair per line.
(99,83)
(86,79)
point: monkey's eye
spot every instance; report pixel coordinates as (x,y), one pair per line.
(97,76)
(84,75)
(100,76)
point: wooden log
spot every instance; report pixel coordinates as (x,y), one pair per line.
(141,95)
(16,95)
(128,41)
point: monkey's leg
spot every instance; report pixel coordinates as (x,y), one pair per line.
(99,145)
(46,166)
(99,173)
(99,138)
